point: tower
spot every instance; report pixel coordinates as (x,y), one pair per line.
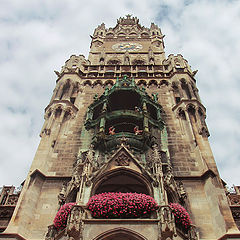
(126,126)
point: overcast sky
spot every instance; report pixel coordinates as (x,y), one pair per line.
(37,37)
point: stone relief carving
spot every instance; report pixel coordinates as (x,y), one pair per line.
(75,223)
(169,181)
(181,191)
(122,160)
(193,233)
(82,173)
(166,224)
(51,233)
(62,194)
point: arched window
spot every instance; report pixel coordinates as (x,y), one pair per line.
(114,62)
(58,112)
(65,90)
(201,116)
(186,89)
(192,112)
(122,180)
(182,114)
(138,62)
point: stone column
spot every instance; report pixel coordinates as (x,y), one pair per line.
(145,119)
(69,94)
(59,92)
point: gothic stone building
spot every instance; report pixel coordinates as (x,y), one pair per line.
(126,120)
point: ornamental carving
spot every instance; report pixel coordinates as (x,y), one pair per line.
(234,199)
(166,224)
(127,27)
(51,233)
(193,233)
(235,213)
(126,46)
(12,200)
(75,223)
(62,194)
(122,160)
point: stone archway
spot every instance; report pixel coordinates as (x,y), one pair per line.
(122,180)
(120,234)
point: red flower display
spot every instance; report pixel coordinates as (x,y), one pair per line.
(181,215)
(121,205)
(60,221)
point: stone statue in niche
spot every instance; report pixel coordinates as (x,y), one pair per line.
(126,58)
(62,195)
(169,179)
(182,192)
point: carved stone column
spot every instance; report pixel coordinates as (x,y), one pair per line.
(166,224)
(70,90)
(59,91)
(145,119)
(191,91)
(75,223)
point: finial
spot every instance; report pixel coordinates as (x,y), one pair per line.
(123,141)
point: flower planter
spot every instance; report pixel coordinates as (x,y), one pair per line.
(121,205)
(60,221)
(182,217)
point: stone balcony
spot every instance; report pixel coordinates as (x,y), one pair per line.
(81,225)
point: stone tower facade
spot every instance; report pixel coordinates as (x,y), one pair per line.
(127,122)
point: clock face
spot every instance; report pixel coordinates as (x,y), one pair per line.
(126,46)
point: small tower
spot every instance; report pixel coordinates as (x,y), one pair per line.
(124,151)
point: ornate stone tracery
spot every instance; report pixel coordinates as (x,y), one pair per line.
(75,223)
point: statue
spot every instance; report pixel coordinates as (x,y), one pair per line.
(155,97)
(137,131)
(111,130)
(106,91)
(62,195)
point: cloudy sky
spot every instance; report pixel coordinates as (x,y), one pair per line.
(37,37)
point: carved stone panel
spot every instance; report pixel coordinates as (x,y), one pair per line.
(122,160)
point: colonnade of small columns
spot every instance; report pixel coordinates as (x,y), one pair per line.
(65,90)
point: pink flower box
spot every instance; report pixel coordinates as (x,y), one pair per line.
(121,205)
(60,221)
(181,215)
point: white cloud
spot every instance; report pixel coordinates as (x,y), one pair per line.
(38,37)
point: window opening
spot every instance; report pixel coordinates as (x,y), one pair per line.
(97,111)
(72,100)
(177,99)
(124,100)
(152,111)
(186,89)
(122,124)
(122,182)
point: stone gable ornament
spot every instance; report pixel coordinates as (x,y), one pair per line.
(122,160)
